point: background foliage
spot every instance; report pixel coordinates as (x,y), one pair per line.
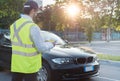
(95,15)
(10,11)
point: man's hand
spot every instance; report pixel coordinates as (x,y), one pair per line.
(54,43)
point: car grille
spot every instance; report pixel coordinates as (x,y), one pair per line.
(89,59)
(84,60)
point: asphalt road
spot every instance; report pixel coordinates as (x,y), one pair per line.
(103,47)
(108,72)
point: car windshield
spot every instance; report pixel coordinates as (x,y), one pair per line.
(48,36)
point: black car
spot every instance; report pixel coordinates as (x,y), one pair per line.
(63,62)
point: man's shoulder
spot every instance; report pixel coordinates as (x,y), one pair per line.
(35,28)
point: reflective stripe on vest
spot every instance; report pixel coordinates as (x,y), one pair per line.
(25,54)
(22,45)
(19,43)
(17,30)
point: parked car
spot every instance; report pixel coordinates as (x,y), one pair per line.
(63,62)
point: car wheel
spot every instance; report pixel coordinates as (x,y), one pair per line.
(44,73)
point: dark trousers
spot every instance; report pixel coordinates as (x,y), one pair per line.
(24,77)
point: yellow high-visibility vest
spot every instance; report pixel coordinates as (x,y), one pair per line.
(25,57)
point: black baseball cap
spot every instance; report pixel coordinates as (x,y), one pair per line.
(30,4)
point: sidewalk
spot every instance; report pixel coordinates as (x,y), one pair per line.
(117,41)
(86,42)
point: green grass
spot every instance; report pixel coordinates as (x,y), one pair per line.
(108,57)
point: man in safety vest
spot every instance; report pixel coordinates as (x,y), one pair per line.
(27,45)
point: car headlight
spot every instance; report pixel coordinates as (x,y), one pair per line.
(62,60)
(96,59)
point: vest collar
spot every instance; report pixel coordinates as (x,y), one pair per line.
(26,17)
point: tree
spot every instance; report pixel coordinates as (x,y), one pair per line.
(10,11)
(52,17)
(117,16)
(94,16)
(106,14)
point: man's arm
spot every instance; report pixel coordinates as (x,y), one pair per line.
(39,43)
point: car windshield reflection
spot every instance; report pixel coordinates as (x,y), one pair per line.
(52,37)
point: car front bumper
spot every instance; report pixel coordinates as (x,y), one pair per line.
(74,73)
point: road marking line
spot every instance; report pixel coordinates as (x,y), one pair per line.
(108,78)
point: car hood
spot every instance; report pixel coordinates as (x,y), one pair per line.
(68,52)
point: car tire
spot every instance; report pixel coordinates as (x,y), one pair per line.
(44,73)
(1,69)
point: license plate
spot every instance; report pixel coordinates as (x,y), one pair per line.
(88,68)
